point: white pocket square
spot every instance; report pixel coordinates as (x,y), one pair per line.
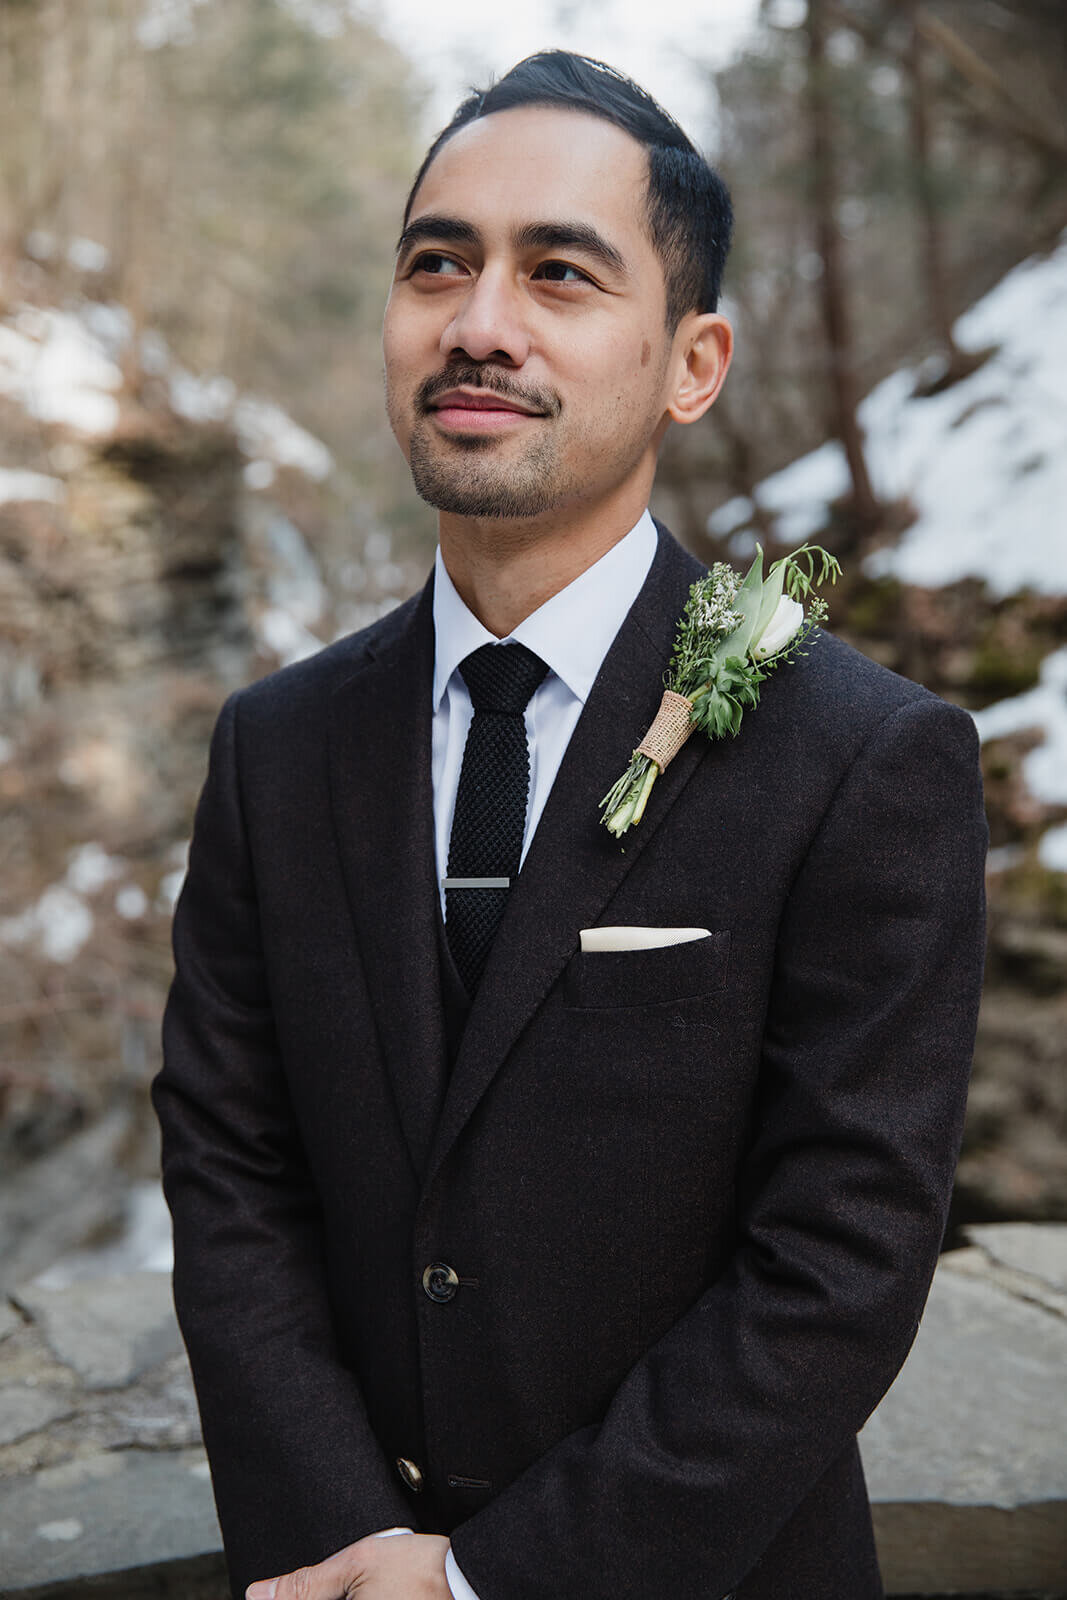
(595,940)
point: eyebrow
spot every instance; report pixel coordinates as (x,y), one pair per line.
(447,230)
(570,236)
(530,236)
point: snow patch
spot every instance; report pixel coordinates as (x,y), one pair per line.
(1052,850)
(287,638)
(801,493)
(1043,708)
(53,366)
(88,256)
(63,367)
(259,474)
(201,399)
(983,462)
(85,255)
(265,430)
(90,868)
(60,923)
(170,887)
(984,465)
(733,514)
(131,902)
(19,484)
(295,585)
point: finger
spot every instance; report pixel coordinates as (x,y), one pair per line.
(327,1581)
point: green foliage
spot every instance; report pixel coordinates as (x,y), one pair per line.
(806,570)
(714,664)
(732,689)
(874,607)
(1002,668)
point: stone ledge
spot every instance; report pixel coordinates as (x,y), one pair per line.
(964,1457)
(105,1491)
(106,1514)
(198,1578)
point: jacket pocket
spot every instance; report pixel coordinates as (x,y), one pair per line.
(613,979)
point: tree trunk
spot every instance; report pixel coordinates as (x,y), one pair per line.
(844,388)
(931,237)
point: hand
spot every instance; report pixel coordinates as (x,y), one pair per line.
(408,1567)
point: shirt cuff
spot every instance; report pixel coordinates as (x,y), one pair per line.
(387,1533)
(461,1589)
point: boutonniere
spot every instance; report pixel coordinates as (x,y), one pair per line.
(733,632)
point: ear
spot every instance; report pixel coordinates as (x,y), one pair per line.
(704,345)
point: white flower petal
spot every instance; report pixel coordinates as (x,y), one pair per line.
(788,615)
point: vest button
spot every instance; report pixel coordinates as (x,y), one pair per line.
(411,1474)
(440,1282)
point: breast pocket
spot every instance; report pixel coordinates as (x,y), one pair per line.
(617,979)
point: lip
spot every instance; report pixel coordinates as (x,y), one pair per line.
(479,409)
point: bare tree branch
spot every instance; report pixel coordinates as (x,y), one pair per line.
(1001,106)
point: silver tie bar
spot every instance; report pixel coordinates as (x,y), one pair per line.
(476,883)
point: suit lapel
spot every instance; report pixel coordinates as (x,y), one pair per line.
(574,866)
(381,792)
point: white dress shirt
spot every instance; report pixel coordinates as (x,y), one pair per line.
(572,634)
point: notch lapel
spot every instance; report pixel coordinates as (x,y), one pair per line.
(381,793)
(574,865)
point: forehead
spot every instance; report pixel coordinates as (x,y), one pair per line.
(542,162)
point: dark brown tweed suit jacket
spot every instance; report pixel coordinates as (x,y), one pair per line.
(693,1196)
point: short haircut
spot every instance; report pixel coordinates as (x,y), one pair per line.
(688,205)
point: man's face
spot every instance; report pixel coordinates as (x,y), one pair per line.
(526,349)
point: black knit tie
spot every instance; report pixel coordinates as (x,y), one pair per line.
(490,815)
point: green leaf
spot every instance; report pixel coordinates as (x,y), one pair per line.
(771,594)
(747,602)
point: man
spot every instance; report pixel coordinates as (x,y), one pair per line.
(585,1268)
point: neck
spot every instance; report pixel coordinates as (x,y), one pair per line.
(505,569)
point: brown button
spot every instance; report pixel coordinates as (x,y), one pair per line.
(440,1282)
(411,1474)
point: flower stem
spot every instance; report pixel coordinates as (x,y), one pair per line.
(646,789)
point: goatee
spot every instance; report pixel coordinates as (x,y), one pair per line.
(467,479)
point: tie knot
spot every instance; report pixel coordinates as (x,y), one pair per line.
(502,677)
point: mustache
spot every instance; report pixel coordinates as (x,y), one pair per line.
(473,375)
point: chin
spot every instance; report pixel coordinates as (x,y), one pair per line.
(469,485)
(481,501)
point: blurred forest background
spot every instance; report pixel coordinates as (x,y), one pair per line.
(198,205)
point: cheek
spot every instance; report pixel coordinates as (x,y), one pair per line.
(397,401)
(402,377)
(405,335)
(625,373)
(394,354)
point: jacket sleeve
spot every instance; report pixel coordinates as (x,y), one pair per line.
(293,1459)
(728,1422)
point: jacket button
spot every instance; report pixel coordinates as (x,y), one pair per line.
(440,1282)
(411,1474)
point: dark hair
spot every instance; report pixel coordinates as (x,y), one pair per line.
(689,212)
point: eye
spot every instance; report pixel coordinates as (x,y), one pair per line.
(436,264)
(561,272)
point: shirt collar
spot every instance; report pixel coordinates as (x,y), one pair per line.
(572,632)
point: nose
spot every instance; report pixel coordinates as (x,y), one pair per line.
(489,324)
